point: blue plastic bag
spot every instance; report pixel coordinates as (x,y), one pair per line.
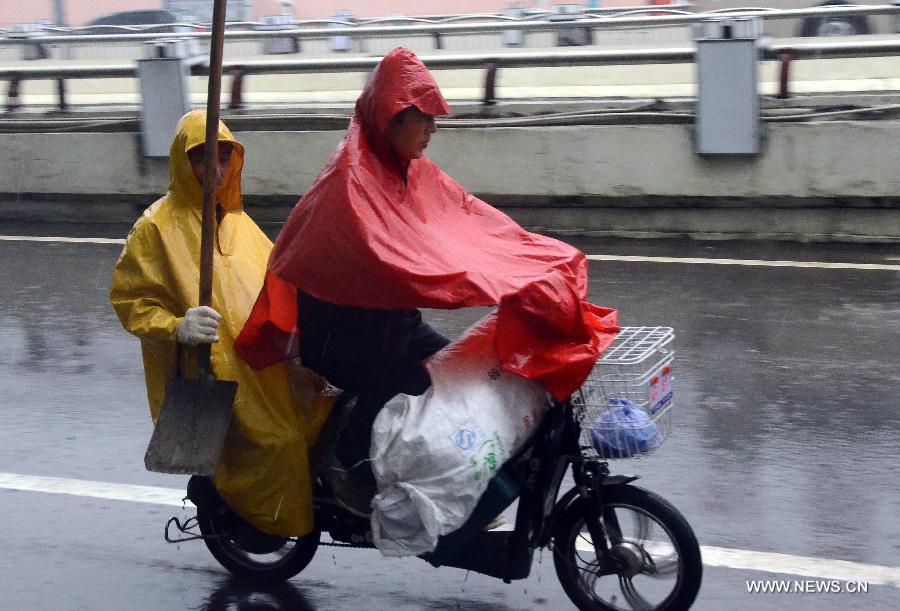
(624,430)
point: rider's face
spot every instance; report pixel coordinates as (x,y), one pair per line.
(198,165)
(409,133)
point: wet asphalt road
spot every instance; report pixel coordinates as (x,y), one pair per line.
(787,438)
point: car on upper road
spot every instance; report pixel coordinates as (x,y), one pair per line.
(144,21)
(813,26)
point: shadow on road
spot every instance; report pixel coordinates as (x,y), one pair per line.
(234,593)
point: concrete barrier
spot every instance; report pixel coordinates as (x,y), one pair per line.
(835,180)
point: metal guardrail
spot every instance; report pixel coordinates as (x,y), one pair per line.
(523,25)
(834,50)
(479,60)
(68,72)
(556,59)
(812,50)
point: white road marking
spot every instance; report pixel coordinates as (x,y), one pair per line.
(739,559)
(822,568)
(32,238)
(747,262)
(97,490)
(782,564)
(627,258)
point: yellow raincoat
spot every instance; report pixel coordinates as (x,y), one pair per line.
(264,473)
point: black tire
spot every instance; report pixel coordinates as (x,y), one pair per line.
(834,26)
(273,566)
(572,543)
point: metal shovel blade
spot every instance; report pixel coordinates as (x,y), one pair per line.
(190,431)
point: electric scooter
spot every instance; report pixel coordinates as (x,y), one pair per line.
(615,545)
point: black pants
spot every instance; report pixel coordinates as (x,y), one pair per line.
(373,353)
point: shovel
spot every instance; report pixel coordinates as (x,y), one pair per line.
(195,414)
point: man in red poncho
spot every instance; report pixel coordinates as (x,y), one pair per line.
(384,231)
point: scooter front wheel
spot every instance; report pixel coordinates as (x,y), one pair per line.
(278,561)
(653,559)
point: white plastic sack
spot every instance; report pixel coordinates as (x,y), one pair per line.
(433,455)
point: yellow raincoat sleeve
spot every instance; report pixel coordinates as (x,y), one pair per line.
(140,292)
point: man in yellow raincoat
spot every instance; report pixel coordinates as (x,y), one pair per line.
(264,473)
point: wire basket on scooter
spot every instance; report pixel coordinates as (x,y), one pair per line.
(624,406)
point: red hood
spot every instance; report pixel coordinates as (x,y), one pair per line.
(399,81)
(363,236)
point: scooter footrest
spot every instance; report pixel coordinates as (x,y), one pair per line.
(488,553)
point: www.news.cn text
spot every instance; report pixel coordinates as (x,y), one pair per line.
(806,586)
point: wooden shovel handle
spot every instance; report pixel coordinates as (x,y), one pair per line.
(211,159)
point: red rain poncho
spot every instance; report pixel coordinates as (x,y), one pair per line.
(363,236)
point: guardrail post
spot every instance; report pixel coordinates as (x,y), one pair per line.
(438,41)
(237,88)
(339,44)
(276,46)
(32,33)
(490,82)
(785,57)
(513,38)
(61,90)
(574,36)
(163,74)
(728,110)
(12,94)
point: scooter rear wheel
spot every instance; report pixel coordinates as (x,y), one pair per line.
(273,566)
(656,561)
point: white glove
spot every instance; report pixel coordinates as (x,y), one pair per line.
(200,326)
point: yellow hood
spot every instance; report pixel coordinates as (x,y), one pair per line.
(184,188)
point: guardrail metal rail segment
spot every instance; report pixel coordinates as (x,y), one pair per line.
(640,18)
(491,61)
